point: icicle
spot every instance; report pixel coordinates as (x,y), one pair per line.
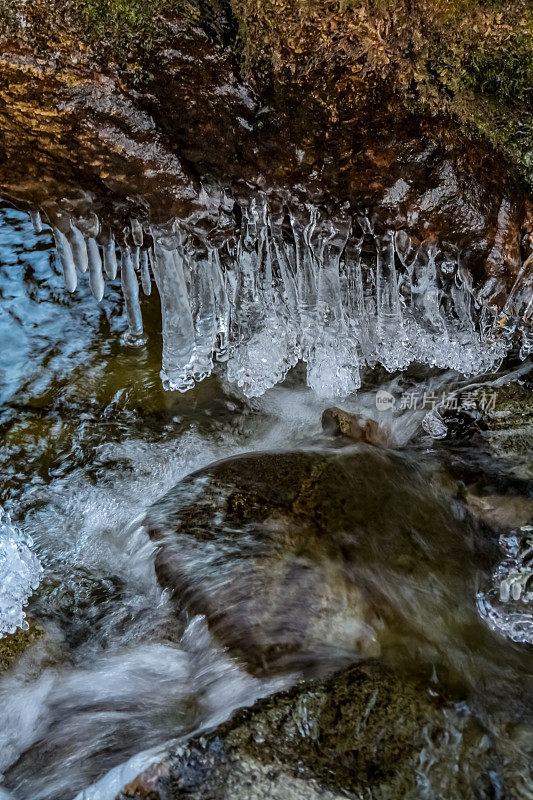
(287,269)
(518,305)
(79,248)
(244,310)
(137,232)
(130,290)
(505,603)
(332,364)
(280,330)
(110,259)
(96,279)
(312,290)
(425,326)
(205,325)
(145,273)
(305,269)
(261,352)
(390,330)
(353,299)
(36,221)
(67,262)
(177,322)
(222,309)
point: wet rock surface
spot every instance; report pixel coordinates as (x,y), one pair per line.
(362,732)
(510,424)
(298,557)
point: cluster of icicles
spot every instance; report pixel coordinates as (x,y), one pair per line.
(329,291)
(20,574)
(507,604)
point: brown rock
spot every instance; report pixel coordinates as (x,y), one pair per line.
(336,422)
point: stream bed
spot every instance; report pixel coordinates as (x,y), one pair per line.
(90,440)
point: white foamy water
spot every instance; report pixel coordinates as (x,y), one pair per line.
(124,687)
(132,679)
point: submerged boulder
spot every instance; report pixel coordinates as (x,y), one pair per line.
(298,557)
(363,732)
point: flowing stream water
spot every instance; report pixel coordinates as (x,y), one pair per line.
(89,441)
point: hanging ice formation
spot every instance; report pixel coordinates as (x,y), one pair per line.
(507,604)
(330,291)
(20,574)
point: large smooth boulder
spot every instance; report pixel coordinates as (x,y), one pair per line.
(297,558)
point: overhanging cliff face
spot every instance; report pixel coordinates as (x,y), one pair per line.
(292,196)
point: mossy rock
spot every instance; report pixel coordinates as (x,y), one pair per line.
(469,61)
(15,644)
(363,732)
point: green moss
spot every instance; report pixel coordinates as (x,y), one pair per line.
(126,32)
(485,80)
(504,73)
(126,27)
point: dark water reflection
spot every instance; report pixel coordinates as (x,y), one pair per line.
(89,441)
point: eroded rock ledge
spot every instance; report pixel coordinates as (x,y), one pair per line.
(140,104)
